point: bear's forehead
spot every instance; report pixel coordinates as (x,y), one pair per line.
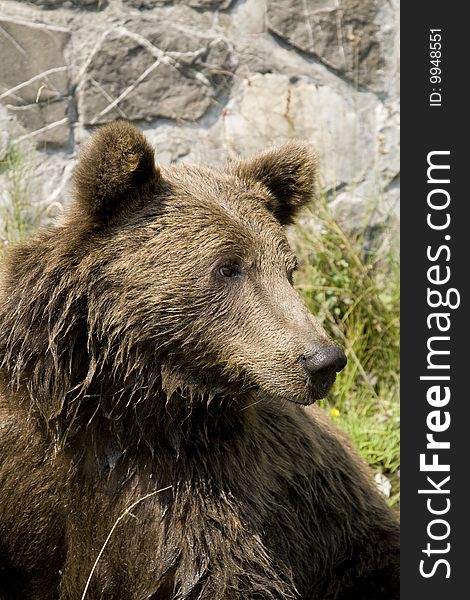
(230,215)
(205,208)
(220,194)
(201,178)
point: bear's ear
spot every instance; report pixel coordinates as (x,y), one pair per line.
(116,171)
(288,172)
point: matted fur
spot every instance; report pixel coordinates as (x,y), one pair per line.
(129,364)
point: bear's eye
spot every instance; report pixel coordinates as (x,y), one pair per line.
(228,271)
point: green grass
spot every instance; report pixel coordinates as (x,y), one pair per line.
(18,217)
(355,295)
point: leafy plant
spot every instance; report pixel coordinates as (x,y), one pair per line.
(354,292)
(18,217)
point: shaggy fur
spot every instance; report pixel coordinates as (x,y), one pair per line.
(152,339)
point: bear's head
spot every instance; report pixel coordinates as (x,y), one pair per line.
(169,278)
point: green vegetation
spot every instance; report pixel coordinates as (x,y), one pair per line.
(18,218)
(355,295)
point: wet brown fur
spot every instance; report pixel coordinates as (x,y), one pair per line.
(128,365)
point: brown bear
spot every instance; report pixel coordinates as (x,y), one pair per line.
(156,367)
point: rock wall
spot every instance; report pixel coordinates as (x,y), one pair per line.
(209,80)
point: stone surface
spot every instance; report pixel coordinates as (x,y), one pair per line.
(33,78)
(245,19)
(159,72)
(52,180)
(69,3)
(180,143)
(269,109)
(220,4)
(344,35)
(201,4)
(146,4)
(209,80)
(383,484)
(367,206)
(388,126)
(4,132)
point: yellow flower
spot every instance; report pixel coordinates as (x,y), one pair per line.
(335,412)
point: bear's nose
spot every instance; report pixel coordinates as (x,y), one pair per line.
(328,359)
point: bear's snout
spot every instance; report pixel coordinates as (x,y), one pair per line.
(321,366)
(324,360)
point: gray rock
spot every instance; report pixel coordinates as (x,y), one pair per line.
(147,4)
(39,116)
(4,139)
(388,154)
(246,18)
(264,55)
(211,4)
(4,132)
(368,206)
(41,182)
(209,80)
(180,143)
(383,484)
(52,183)
(33,78)
(164,71)
(269,109)
(344,35)
(201,4)
(69,3)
